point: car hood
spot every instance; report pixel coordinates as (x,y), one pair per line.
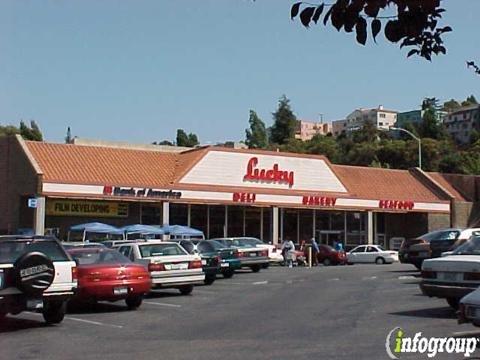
(459,263)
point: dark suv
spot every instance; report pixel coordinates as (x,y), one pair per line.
(35,274)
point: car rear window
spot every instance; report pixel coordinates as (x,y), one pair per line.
(10,251)
(250,241)
(441,235)
(161,250)
(98,257)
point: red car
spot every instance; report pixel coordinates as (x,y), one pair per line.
(106,275)
(327,255)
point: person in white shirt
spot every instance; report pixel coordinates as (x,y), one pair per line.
(288,252)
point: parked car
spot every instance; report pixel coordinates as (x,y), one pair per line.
(106,275)
(371,254)
(250,256)
(274,254)
(451,240)
(170,266)
(455,276)
(230,260)
(35,274)
(210,259)
(432,244)
(469,309)
(327,255)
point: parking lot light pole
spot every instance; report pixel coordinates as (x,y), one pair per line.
(416,138)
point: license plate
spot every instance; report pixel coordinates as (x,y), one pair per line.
(178,266)
(451,276)
(120,291)
(252,254)
(224,264)
(34,304)
(204,262)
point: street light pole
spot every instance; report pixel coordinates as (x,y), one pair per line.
(416,138)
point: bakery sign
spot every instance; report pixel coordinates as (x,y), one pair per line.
(140,192)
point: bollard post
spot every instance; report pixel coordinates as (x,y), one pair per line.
(309,256)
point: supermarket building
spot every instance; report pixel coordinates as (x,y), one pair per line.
(48,187)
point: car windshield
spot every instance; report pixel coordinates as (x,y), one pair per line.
(161,250)
(471,247)
(217,245)
(380,248)
(10,251)
(249,242)
(90,257)
(440,235)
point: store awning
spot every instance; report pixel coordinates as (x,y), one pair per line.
(179,230)
(143,229)
(96,227)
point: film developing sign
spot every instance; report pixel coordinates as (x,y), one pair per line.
(87,208)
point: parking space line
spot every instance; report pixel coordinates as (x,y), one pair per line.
(92,322)
(407,277)
(260,282)
(81,320)
(334,279)
(369,278)
(162,304)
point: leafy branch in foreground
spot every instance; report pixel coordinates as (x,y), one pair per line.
(415,24)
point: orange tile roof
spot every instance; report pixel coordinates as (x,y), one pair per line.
(440,179)
(387,184)
(75,164)
(95,165)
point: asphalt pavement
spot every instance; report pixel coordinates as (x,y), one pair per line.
(339,312)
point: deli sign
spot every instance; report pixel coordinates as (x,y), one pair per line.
(274,175)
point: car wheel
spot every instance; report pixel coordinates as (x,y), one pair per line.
(227,274)
(255,268)
(209,280)
(134,302)
(265,266)
(379,261)
(453,302)
(186,290)
(54,311)
(327,262)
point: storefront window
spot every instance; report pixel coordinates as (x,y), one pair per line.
(356,228)
(217,221)
(329,227)
(306,225)
(235,221)
(290,221)
(152,214)
(179,214)
(267,225)
(252,222)
(198,218)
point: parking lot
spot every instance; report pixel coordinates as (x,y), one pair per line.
(339,312)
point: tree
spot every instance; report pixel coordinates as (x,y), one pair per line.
(165,142)
(256,137)
(189,140)
(30,133)
(430,128)
(451,105)
(285,122)
(8,130)
(414,25)
(470,101)
(430,103)
(324,145)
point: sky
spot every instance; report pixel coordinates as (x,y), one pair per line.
(137,70)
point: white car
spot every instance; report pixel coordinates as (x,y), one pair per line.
(470,309)
(374,254)
(455,276)
(170,266)
(274,254)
